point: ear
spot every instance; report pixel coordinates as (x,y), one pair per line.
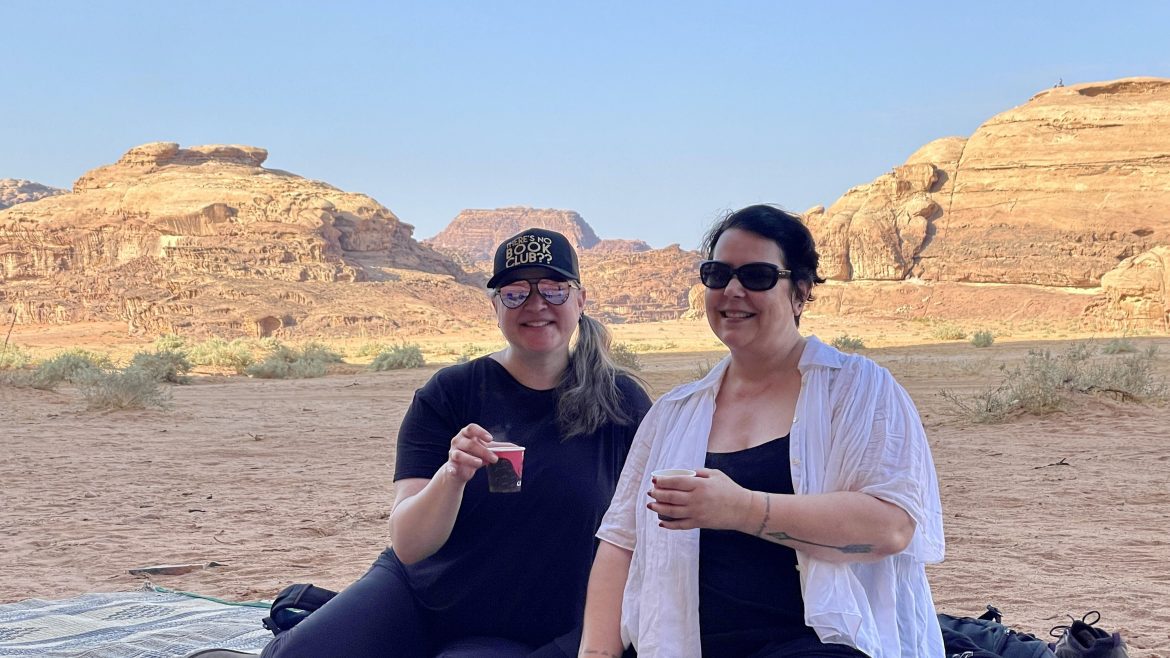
(581,298)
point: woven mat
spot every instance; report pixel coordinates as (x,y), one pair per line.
(146,624)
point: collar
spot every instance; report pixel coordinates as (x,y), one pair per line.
(816,355)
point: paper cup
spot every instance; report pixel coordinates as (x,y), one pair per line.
(672,472)
(505,475)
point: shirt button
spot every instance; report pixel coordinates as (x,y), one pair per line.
(796,462)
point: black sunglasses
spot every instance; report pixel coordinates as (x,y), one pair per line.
(753,276)
(515,293)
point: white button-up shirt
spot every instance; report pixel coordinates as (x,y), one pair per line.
(855,429)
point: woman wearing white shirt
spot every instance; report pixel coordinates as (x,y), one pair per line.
(816,504)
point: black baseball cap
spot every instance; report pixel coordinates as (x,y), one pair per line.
(535,247)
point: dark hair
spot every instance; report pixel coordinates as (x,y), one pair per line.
(797,247)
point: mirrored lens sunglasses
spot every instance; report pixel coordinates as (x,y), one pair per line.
(752,276)
(514,294)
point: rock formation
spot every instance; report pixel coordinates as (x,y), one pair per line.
(627,280)
(1056,192)
(474,234)
(15,190)
(206,239)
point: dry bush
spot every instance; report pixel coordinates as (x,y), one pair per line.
(288,363)
(982,339)
(132,388)
(163,366)
(398,357)
(847,343)
(624,356)
(947,331)
(1118,346)
(67,366)
(13,358)
(1045,383)
(219,353)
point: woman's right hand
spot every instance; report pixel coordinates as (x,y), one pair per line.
(469,452)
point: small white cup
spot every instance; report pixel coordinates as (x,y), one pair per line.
(671,472)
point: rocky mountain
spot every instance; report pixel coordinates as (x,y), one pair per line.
(473,234)
(205,239)
(627,280)
(1070,190)
(16,190)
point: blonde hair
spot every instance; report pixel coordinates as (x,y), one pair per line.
(589,395)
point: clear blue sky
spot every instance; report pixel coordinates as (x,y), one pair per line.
(648,118)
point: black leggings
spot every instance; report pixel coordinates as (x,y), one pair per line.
(378,617)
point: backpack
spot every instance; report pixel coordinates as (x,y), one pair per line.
(293,604)
(987,637)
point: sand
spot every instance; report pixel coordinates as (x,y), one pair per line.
(290,481)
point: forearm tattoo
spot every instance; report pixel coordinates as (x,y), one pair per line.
(767,514)
(848,548)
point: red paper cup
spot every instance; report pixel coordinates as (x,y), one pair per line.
(505,475)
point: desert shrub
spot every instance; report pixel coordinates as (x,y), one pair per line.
(163,366)
(1044,383)
(397,357)
(370,348)
(13,358)
(982,338)
(286,363)
(170,343)
(848,343)
(703,369)
(947,331)
(67,366)
(132,388)
(624,356)
(313,351)
(219,353)
(470,351)
(1118,346)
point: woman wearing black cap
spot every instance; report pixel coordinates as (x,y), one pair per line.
(473,573)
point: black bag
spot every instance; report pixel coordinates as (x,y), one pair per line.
(293,604)
(987,637)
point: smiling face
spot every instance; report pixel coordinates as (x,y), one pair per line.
(748,319)
(538,326)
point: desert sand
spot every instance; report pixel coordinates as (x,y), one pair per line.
(290,481)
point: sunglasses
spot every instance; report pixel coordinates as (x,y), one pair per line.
(753,276)
(514,294)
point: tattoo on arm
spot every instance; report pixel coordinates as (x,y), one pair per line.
(767,513)
(600,652)
(848,548)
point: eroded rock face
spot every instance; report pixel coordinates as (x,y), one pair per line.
(474,234)
(16,190)
(1137,292)
(203,235)
(1055,192)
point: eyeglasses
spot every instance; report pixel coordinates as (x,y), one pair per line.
(514,294)
(753,276)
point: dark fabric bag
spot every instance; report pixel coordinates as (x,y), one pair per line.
(293,604)
(987,637)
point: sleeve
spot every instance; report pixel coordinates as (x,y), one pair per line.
(897,465)
(424,437)
(637,403)
(618,524)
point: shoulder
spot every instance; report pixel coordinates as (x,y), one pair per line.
(461,374)
(632,391)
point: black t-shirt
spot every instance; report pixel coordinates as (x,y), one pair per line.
(749,588)
(516,564)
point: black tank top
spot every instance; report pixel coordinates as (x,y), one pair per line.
(749,588)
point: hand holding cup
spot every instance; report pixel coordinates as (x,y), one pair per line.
(469,451)
(664,482)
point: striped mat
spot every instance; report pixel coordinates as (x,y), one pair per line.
(144,624)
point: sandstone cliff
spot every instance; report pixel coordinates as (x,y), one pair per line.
(15,190)
(474,234)
(205,238)
(1056,192)
(626,280)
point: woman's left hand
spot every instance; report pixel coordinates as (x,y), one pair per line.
(710,499)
